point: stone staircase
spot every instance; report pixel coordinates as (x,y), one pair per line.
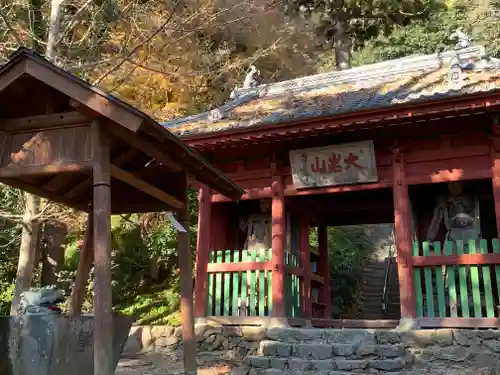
(373,279)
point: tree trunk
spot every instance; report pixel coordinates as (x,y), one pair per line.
(342,43)
(54,234)
(27,250)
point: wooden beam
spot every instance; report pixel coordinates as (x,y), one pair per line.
(12,75)
(87,184)
(465,259)
(46,194)
(402,228)
(47,169)
(82,273)
(354,323)
(495,171)
(103,318)
(145,187)
(85,94)
(305,263)
(149,148)
(324,269)
(186,275)
(203,250)
(278,233)
(54,120)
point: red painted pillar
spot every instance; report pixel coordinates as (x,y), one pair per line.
(202,250)
(495,172)
(324,269)
(305,264)
(402,226)
(278,247)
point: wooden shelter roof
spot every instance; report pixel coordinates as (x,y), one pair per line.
(45,143)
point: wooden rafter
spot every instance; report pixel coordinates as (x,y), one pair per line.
(145,146)
(44,121)
(145,187)
(87,184)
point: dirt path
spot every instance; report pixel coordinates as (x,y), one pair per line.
(164,364)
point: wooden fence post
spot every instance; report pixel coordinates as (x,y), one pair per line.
(203,250)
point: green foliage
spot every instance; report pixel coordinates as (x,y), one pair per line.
(348,249)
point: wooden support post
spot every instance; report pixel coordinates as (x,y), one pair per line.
(495,170)
(305,264)
(203,250)
(83,271)
(278,247)
(186,274)
(324,269)
(103,318)
(402,226)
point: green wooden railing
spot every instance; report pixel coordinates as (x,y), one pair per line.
(453,281)
(245,292)
(240,284)
(292,285)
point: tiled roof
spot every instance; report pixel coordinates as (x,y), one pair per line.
(410,79)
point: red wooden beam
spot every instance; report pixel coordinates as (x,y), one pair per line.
(324,269)
(278,233)
(438,260)
(495,172)
(202,251)
(239,267)
(305,263)
(294,270)
(403,237)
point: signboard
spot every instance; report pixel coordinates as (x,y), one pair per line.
(343,164)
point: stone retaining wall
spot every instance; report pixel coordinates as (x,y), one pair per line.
(281,351)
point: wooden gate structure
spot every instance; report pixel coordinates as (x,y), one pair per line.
(382,143)
(65,140)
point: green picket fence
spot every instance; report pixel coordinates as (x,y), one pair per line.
(245,293)
(292,288)
(462,291)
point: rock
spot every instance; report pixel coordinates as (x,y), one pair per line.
(494,345)
(210,339)
(464,337)
(212,330)
(389,351)
(489,334)
(365,349)
(315,351)
(349,336)
(388,337)
(278,363)
(419,338)
(271,371)
(293,335)
(166,341)
(343,349)
(178,332)
(240,370)
(146,339)
(253,371)
(387,364)
(351,364)
(236,354)
(258,361)
(322,364)
(339,373)
(225,344)
(443,337)
(453,353)
(199,330)
(299,364)
(231,331)
(253,333)
(132,346)
(274,348)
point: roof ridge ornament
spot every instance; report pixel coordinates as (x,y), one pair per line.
(215,115)
(463,40)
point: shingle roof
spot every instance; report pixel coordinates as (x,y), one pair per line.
(409,79)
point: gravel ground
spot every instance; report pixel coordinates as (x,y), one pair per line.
(156,364)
